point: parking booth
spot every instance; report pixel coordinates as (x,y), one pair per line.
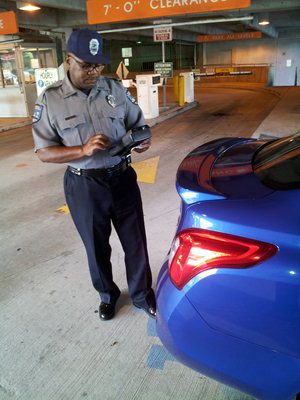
(18,63)
(147,94)
(189,96)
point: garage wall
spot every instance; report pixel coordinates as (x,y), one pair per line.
(288,63)
(275,53)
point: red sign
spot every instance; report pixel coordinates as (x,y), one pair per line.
(162,34)
(8,23)
(229,36)
(101,12)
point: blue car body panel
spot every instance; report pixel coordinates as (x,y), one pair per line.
(254,369)
(239,326)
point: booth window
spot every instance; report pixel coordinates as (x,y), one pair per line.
(8,69)
(34,58)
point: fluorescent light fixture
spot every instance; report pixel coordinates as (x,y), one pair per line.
(27,7)
(194,22)
(11,41)
(264,23)
(263,20)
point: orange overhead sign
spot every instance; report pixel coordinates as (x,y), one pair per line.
(8,23)
(229,36)
(103,11)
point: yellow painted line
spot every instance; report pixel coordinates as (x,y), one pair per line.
(64,209)
(146,170)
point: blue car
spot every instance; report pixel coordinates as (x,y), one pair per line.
(228,296)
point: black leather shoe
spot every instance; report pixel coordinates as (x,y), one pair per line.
(149,310)
(106,311)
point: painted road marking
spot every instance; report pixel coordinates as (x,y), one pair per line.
(64,209)
(151,327)
(146,170)
(157,357)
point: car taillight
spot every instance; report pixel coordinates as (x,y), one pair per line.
(197,250)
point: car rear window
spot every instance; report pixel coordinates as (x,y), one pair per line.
(277,163)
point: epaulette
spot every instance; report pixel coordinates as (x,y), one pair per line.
(54,85)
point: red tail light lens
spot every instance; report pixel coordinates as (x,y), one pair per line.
(197,250)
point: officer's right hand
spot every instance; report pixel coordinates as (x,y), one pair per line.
(95,143)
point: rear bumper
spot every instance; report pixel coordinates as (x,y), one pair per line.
(248,367)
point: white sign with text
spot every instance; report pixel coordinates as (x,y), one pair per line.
(163,34)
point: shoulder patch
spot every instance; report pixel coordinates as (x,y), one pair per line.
(130,97)
(37,113)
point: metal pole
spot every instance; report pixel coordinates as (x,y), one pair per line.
(198,22)
(164,79)
(20,75)
(204,53)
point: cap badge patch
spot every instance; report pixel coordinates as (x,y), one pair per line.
(94,46)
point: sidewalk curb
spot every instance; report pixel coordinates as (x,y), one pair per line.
(171,113)
(14,126)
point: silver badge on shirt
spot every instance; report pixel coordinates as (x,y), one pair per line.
(111,100)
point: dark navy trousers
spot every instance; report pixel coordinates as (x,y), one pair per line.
(94,204)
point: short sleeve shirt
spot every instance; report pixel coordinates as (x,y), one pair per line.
(66,116)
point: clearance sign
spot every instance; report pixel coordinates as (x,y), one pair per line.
(103,11)
(8,23)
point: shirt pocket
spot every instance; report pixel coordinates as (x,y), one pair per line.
(112,121)
(71,129)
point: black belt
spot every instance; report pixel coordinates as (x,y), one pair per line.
(103,172)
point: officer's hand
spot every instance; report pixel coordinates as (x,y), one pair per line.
(145,145)
(95,143)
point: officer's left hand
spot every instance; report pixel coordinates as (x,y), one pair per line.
(145,145)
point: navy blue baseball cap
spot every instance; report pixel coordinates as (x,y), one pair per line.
(87,45)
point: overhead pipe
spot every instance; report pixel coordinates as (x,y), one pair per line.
(198,22)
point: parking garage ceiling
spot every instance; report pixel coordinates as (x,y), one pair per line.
(56,16)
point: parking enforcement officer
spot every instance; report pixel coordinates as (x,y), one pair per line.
(75,121)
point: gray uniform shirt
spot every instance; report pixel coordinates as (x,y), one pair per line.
(66,116)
